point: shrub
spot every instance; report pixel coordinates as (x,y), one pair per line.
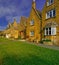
(41,41)
(47,40)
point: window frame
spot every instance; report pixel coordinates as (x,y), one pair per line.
(32,22)
(50,2)
(32,33)
(51,31)
(51,13)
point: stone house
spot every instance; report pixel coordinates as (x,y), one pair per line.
(50,21)
(33,28)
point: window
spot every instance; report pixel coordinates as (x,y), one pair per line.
(47,15)
(50,14)
(54,13)
(50,2)
(32,33)
(53,31)
(46,31)
(32,22)
(50,31)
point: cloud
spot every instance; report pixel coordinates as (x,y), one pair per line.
(2,28)
(14,9)
(11,6)
(11,18)
(11,9)
(6,11)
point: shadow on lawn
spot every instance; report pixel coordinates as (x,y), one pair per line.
(25,60)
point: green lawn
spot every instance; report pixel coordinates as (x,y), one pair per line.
(21,53)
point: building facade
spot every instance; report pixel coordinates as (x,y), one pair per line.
(12,30)
(22,27)
(34,24)
(39,25)
(50,21)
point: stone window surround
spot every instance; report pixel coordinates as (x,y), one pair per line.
(50,31)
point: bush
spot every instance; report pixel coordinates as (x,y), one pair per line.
(41,42)
(47,40)
(19,37)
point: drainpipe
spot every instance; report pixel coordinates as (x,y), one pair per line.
(41,28)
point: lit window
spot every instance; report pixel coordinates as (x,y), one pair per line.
(32,22)
(32,33)
(50,31)
(50,14)
(50,2)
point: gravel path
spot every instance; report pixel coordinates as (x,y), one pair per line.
(46,46)
(50,47)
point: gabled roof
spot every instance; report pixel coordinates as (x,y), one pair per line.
(38,13)
(22,24)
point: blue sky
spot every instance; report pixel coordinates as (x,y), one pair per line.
(10,9)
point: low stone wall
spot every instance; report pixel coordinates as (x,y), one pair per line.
(48,43)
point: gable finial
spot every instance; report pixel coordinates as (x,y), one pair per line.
(34,4)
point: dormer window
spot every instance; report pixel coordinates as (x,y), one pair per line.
(32,22)
(49,2)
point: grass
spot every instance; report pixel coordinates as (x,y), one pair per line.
(22,53)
